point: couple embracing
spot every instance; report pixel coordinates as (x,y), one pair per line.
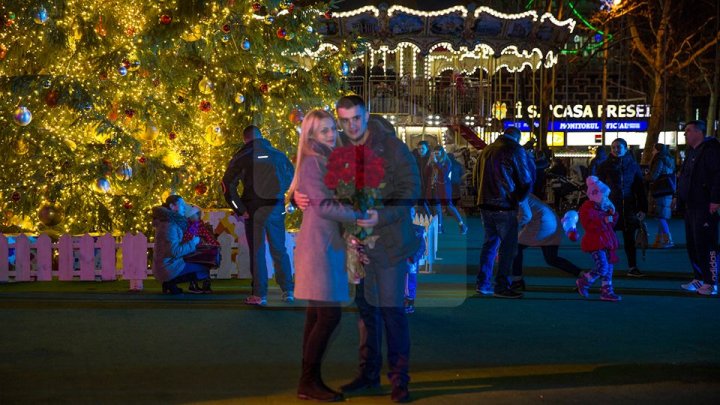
(320,257)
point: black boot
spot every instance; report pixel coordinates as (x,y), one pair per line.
(311,386)
(170,287)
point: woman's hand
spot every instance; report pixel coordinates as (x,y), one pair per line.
(301,200)
(371,220)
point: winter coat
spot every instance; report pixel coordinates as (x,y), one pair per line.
(169,248)
(544,227)
(202,231)
(599,233)
(502,176)
(265,172)
(384,283)
(422,162)
(627,190)
(320,248)
(662,163)
(699,183)
(439,187)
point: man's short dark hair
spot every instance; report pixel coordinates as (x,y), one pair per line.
(251,132)
(512,132)
(699,124)
(350,101)
(423,143)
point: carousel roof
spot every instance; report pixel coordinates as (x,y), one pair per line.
(478,36)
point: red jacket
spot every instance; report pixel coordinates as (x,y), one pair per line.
(599,233)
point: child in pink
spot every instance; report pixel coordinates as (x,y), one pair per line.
(598,218)
(196,227)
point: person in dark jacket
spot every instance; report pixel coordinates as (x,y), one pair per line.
(168,264)
(699,192)
(622,174)
(503,180)
(380,295)
(600,156)
(422,157)
(439,187)
(265,173)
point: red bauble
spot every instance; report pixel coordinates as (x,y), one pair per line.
(172,136)
(15,196)
(205,106)
(142,159)
(281,33)
(129,113)
(165,19)
(328,14)
(573,236)
(52,97)
(201,188)
(126,63)
(256,7)
(264,88)
(103,75)
(127,205)
(296,116)
(226,28)
(291,7)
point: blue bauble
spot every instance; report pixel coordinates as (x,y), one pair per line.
(102,185)
(246,44)
(22,116)
(345,68)
(122,70)
(41,16)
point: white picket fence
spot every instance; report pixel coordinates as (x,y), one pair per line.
(105,258)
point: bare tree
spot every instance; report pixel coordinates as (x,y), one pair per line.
(666,38)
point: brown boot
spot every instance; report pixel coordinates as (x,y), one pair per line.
(658,241)
(311,386)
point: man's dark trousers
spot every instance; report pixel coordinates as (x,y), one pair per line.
(268,222)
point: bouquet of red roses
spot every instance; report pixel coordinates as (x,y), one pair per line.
(355,173)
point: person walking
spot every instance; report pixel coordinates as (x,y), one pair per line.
(265,174)
(662,164)
(622,174)
(422,157)
(168,265)
(539,227)
(503,180)
(699,193)
(321,277)
(439,187)
(380,295)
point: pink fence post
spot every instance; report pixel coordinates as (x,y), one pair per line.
(22,258)
(65,258)
(134,256)
(108,270)
(87,258)
(4,260)
(43,257)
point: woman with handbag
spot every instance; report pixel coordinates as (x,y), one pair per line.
(661,178)
(169,267)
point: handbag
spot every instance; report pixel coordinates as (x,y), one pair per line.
(663,186)
(204,254)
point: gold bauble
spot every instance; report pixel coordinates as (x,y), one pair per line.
(148,132)
(206,86)
(214,135)
(172,160)
(21,147)
(50,214)
(193,35)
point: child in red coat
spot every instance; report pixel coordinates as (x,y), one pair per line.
(598,217)
(196,227)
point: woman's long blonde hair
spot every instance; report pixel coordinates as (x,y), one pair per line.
(307,132)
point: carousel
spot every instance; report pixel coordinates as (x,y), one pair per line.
(448,75)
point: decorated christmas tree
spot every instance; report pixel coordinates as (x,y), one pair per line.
(107,107)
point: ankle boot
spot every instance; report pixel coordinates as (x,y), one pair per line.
(658,241)
(311,386)
(667,241)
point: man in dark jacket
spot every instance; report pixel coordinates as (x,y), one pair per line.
(265,174)
(380,295)
(699,192)
(622,174)
(503,179)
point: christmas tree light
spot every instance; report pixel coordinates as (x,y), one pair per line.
(108,107)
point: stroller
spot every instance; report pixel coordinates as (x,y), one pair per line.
(568,193)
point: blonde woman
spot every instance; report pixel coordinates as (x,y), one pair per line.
(320,275)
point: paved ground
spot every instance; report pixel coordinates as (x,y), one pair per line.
(96,343)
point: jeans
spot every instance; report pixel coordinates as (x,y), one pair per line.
(192,272)
(411,286)
(398,340)
(701,231)
(550,253)
(268,222)
(501,230)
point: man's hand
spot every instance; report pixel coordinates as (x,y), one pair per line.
(640,216)
(714,208)
(301,200)
(371,220)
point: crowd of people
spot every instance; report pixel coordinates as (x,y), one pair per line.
(514,218)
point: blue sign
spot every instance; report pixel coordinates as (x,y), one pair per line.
(584,126)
